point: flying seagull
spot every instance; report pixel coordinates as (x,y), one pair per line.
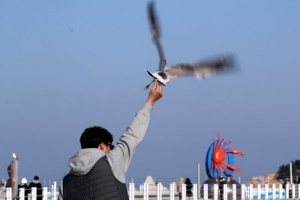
(199,69)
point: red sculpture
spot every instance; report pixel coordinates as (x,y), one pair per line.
(218,152)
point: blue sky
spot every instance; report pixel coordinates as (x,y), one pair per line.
(68,65)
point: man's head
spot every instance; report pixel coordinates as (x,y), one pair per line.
(222,179)
(23,180)
(96,137)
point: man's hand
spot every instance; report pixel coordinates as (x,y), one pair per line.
(155,93)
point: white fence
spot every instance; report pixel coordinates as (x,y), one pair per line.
(209,192)
(206,192)
(47,195)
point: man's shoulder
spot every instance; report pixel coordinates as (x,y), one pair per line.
(35,185)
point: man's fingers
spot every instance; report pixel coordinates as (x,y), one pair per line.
(155,84)
(159,87)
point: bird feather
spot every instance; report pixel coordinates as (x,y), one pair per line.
(201,69)
(155,30)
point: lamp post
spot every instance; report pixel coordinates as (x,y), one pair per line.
(291,173)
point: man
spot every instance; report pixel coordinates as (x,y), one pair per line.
(24,185)
(221,187)
(36,184)
(179,187)
(98,171)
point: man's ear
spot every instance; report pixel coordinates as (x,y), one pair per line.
(101,146)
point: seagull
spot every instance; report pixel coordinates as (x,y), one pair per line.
(14,156)
(200,70)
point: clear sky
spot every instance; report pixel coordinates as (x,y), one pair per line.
(68,65)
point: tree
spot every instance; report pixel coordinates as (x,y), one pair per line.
(284,170)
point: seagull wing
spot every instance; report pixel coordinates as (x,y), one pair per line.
(201,69)
(156,35)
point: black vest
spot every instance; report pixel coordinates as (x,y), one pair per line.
(99,184)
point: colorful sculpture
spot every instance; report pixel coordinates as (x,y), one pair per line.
(216,165)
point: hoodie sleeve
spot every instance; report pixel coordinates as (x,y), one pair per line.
(120,157)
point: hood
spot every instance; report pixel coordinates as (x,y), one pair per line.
(84,160)
(181,180)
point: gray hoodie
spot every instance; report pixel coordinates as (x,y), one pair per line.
(120,157)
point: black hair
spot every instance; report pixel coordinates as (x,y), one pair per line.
(188,181)
(93,136)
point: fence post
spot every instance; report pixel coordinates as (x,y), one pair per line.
(273,191)
(33,193)
(266,191)
(183,192)
(293,191)
(234,192)
(243,191)
(53,191)
(298,190)
(216,191)
(195,190)
(205,192)
(45,193)
(131,191)
(250,191)
(258,191)
(172,191)
(22,193)
(225,192)
(146,191)
(8,194)
(159,191)
(280,191)
(287,188)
